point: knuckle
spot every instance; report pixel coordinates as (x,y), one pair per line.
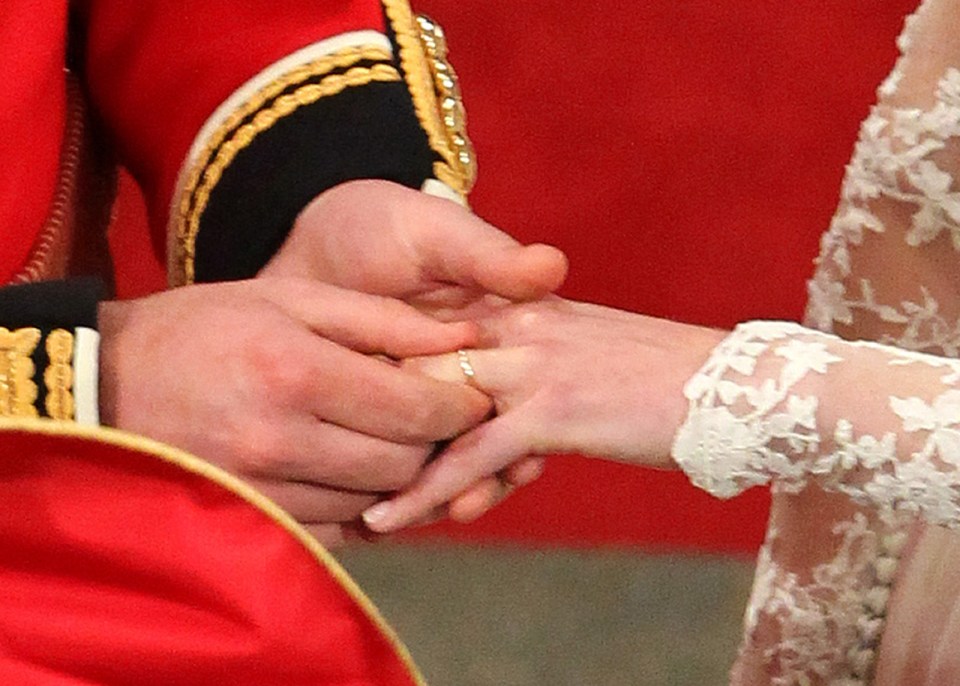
(444,410)
(420,421)
(272,363)
(262,451)
(531,321)
(527,322)
(564,403)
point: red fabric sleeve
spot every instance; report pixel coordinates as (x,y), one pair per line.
(127,562)
(33,102)
(157,69)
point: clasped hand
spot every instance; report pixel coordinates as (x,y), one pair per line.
(329,379)
(289,379)
(565,377)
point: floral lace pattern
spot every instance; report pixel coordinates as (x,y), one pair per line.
(753,418)
(897,159)
(889,270)
(738,435)
(823,610)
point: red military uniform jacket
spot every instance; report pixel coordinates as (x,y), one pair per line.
(121,560)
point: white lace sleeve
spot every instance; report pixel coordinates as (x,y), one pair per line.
(778,402)
(856,440)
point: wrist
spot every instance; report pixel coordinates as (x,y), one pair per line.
(112,316)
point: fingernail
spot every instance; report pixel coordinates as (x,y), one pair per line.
(375,516)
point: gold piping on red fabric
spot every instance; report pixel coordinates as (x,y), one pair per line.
(194,465)
(262,111)
(51,239)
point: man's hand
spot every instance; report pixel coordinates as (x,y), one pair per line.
(279,381)
(380,238)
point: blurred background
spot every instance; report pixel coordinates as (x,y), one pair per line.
(686,155)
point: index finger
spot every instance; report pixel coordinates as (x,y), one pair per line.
(364,322)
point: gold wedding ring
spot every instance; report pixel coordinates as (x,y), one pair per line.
(467,368)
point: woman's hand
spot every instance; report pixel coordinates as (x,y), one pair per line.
(566,377)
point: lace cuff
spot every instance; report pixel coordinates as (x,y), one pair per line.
(779,402)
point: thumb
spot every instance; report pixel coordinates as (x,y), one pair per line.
(458,247)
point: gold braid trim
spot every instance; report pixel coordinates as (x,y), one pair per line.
(338,60)
(450,104)
(207,174)
(58,376)
(18,392)
(423,59)
(413,59)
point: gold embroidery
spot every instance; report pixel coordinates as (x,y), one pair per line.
(452,112)
(424,70)
(58,376)
(206,176)
(18,392)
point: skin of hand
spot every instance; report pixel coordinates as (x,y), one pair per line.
(384,239)
(284,382)
(566,377)
(381,238)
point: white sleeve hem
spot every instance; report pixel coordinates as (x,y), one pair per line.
(86,376)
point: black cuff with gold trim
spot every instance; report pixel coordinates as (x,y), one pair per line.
(349,117)
(362,132)
(386,110)
(38,322)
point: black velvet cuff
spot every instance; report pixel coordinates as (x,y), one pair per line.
(363,132)
(361,112)
(52,304)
